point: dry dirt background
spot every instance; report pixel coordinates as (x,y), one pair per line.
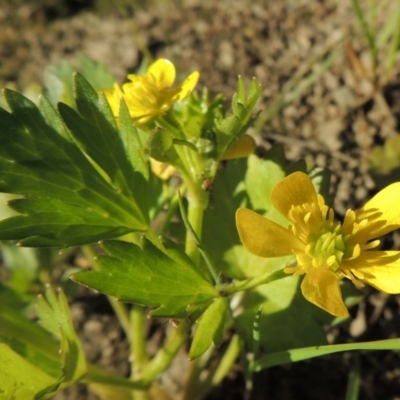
(334,123)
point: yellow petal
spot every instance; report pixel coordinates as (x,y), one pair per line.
(320,286)
(294,190)
(164,73)
(163,170)
(380,269)
(187,86)
(263,237)
(113,97)
(383,211)
(242,148)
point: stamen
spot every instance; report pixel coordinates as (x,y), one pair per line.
(331,260)
(358,274)
(371,245)
(348,274)
(356,251)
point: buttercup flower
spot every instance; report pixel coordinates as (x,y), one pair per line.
(152,93)
(327,251)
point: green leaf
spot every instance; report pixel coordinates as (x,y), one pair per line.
(22,264)
(210,328)
(196,118)
(53,119)
(19,379)
(69,201)
(59,84)
(242,106)
(30,340)
(134,149)
(95,129)
(299,354)
(97,74)
(230,129)
(37,348)
(245,182)
(219,219)
(287,320)
(149,277)
(160,145)
(321,178)
(261,177)
(54,316)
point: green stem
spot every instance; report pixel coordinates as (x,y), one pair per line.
(228,359)
(189,229)
(193,382)
(95,374)
(195,218)
(121,311)
(222,370)
(155,367)
(251,283)
(165,355)
(139,357)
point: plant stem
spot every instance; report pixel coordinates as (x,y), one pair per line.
(189,230)
(193,382)
(222,369)
(139,356)
(138,339)
(165,355)
(195,214)
(97,375)
(250,283)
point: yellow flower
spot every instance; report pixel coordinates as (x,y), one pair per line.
(151,94)
(327,251)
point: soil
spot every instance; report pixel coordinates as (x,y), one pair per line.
(334,122)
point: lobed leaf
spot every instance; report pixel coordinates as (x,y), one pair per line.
(54,316)
(31,341)
(20,379)
(105,147)
(230,129)
(149,277)
(69,200)
(131,141)
(261,177)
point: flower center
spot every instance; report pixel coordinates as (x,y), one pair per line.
(326,241)
(327,248)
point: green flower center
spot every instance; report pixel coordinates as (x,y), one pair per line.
(328,247)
